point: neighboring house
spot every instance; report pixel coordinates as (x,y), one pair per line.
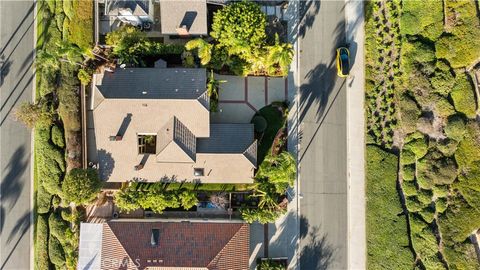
(183,18)
(158,18)
(153,124)
(164,245)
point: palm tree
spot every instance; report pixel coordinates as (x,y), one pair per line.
(212,90)
(204,49)
(279,56)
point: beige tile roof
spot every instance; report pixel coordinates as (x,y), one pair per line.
(229,151)
(192,13)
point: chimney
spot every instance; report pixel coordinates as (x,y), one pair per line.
(139,167)
(182,30)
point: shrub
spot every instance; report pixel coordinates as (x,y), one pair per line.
(261,215)
(409,189)
(413,205)
(468,150)
(463,96)
(459,47)
(240,24)
(55,252)
(425,196)
(447,147)
(81,31)
(440,191)
(84,76)
(43,200)
(39,115)
(442,106)
(41,249)
(57,136)
(407,157)
(455,127)
(126,199)
(428,214)
(408,172)
(425,243)
(387,238)
(57,227)
(409,113)
(188,199)
(458,221)
(81,186)
(438,170)
(422,18)
(271,265)
(279,170)
(468,185)
(418,146)
(68,9)
(442,82)
(461,256)
(50,162)
(441,204)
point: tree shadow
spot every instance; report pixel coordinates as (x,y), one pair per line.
(316,253)
(308,11)
(21,227)
(29,11)
(106,164)
(12,186)
(4,68)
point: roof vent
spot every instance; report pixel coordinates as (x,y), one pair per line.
(154,238)
(176,89)
(144,92)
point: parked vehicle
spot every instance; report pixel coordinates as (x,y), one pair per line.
(343,62)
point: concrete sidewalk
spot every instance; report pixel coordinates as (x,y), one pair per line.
(356,136)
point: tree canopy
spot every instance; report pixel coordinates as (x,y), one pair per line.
(81,186)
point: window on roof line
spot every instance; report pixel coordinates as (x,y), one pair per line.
(155,237)
(147,144)
(198,171)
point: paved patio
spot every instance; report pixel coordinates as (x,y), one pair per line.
(242,97)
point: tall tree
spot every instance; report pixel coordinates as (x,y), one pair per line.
(204,49)
(81,186)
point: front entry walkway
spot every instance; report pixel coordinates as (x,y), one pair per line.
(242,97)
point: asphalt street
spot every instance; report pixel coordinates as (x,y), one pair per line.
(16,86)
(322,137)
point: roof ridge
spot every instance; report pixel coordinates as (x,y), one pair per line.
(215,260)
(121,246)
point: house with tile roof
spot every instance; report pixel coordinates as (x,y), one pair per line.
(153,124)
(164,245)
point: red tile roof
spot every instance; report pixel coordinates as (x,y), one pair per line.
(214,246)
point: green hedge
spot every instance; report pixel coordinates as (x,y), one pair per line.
(463,96)
(422,17)
(50,162)
(387,237)
(468,150)
(43,200)
(55,252)
(460,46)
(42,261)
(425,243)
(58,227)
(57,136)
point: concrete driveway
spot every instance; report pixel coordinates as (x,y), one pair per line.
(241,97)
